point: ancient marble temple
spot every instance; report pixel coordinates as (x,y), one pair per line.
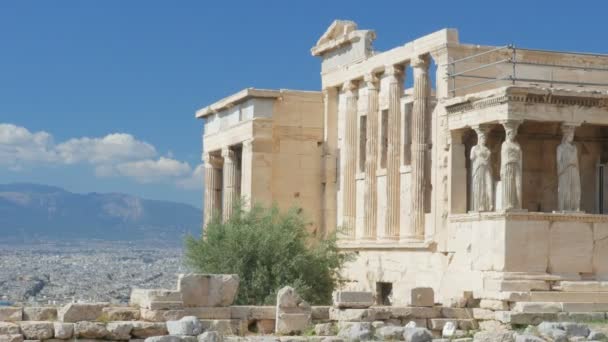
(465,168)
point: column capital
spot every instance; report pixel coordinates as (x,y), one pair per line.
(393,70)
(371,80)
(480,129)
(227,153)
(420,62)
(248,144)
(511,124)
(212,160)
(349,87)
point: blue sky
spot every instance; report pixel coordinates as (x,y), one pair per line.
(100,95)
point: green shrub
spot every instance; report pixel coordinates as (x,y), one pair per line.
(268,249)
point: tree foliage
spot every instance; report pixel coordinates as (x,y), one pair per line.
(268,249)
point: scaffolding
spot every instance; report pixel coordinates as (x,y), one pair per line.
(508,55)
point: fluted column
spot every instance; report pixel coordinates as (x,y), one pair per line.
(420,67)
(393,175)
(371,151)
(349,190)
(213,183)
(229,182)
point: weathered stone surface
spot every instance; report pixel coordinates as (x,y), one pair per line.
(575,329)
(32,330)
(121,313)
(39,313)
(11,338)
(165,338)
(325,329)
(225,326)
(556,335)
(580,316)
(527,338)
(11,313)
(188,325)
(264,326)
(320,313)
(207,289)
(422,296)
(148,329)
(356,331)
(210,336)
(119,330)
(293,313)
(161,315)
(525,317)
(389,333)
(493,336)
(143,297)
(459,313)
(417,335)
(63,331)
(414,312)
(92,330)
(252,312)
(8,328)
(597,336)
(483,314)
(463,324)
(493,304)
(353,299)
(75,312)
(537,307)
(212,312)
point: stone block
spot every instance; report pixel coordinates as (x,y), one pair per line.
(493,304)
(161,315)
(148,329)
(581,316)
(252,312)
(579,286)
(11,338)
(210,336)
(209,312)
(292,323)
(356,331)
(407,312)
(265,326)
(460,313)
(320,313)
(32,330)
(119,331)
(463,324)
(170,338)
(11,313)
(39,313)
(515,285)
(493,336)
(63,331)
(422,296)
(325,329)
(92,330)
(483,314)
(353,299)
(417,335)
(207,289)
(188,326)
(75,312)
(528,318)
(537,307)
(389,333)
(8,328)
(121,313)
(293,315)
(226,326)
(140,297)
(571,248)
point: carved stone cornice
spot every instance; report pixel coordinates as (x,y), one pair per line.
(528,216)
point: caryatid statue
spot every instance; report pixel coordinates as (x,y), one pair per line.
(568,175)
(511,168)
(482,183)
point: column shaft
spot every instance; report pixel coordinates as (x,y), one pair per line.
(212,183)
(419,148)
(349,190)
(393,174)
(371,147)
(229,182)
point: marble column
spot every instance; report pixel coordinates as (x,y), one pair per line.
(213,183)
(229,182)
(393,164)
(349,191)
(420,68)
(371,151)
(246,174)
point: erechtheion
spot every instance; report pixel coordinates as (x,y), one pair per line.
(465,168)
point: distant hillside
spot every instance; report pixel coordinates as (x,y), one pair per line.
(30,212)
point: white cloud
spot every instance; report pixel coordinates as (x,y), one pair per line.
(195,180)
(148,171)
(18,145)
(114,155)
(116,147)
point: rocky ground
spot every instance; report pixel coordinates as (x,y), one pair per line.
(86,270)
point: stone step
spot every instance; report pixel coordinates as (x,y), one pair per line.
(581,286)
(568,297)
(554,307)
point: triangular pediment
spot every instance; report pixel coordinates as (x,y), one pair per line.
(337,29)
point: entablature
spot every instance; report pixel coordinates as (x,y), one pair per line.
(527,103)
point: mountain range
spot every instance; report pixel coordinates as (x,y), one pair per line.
(34,212)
